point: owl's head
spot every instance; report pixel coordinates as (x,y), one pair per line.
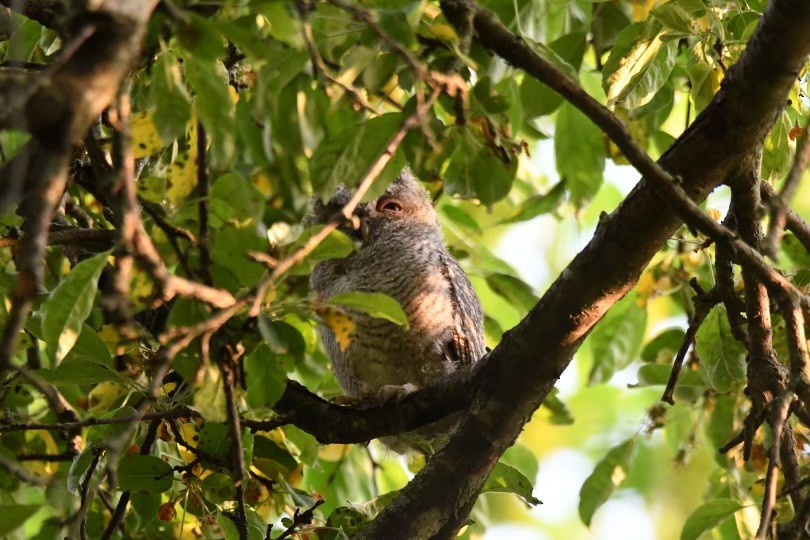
(404,205)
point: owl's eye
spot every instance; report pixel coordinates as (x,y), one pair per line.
(389,205)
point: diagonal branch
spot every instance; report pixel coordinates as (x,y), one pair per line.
(521,371)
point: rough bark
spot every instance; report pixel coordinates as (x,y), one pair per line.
(521,371)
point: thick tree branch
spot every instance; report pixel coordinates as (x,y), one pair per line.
(57,111)
(520,372)
(331,423)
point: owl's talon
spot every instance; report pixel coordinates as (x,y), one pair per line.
(395,392)
(348,401)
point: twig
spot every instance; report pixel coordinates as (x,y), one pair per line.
(15,469)
(84,488)
(230,356)
(121,508)
(703,304)
(724,277)
(411,122)
(746,435)
(779,211)
(797,347)
(303,518)
(320,67)
(172,233)
(178,412)
(47,179)
(60,406)
(365,17)
(204,244)
(771,477)
(79,236)
(495,36)
(794,223)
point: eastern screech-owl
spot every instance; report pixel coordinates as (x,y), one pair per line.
(402,255)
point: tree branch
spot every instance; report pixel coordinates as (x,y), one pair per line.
(520,372)
(779,210)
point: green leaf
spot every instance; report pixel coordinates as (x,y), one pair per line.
(265,378)
(271,458)
(350,520)
(345,157)
(336,245)
(462,218)
(88,348)
(197,34)
(560,413)
(209,398)
(214,106)
(475,171)
(720,428)
(305,443)
(707,517)
(146,505)
(218,488)
(213,440)
(234,199)
(658,375)
(537,205)
(506,479)
(77,469)
(230,246)
(777,154)
(548,54)
(144,473)
(638,66)
(106,432)
(674,18)
(281,337)
(377,305)
(80,372)
(579,152)
(795,250)
(608,474)
(704,78)
(662,348)
(522,458)
(171,98)
(617,339)
(70,303)
(722,357)
(14,516)
(514,290)
(566,53)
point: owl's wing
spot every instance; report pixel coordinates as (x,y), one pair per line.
(465,344)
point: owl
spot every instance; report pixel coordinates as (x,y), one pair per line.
(402,255)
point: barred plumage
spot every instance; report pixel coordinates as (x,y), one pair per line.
(403,255)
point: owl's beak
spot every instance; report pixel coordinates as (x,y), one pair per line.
(365,228)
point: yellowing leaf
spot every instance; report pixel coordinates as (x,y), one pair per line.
(261,181)
(145,137)
(339,322)
(182,176)
(209,399)
(444,32)
(641,9)
(101,398)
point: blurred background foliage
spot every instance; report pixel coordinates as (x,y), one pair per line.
(296,98)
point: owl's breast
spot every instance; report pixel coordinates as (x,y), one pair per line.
(383,353)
